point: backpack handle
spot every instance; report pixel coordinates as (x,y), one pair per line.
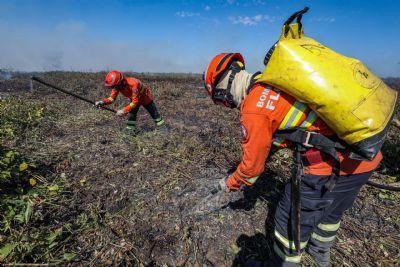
(299,16)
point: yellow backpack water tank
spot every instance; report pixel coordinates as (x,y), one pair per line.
(352,100)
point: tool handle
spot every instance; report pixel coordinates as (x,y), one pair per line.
(36,79)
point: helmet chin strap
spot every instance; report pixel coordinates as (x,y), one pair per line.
(235,69)
(232,89)
(121,85)
(224,95)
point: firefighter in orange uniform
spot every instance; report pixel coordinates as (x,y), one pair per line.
(265,112)
(138,94)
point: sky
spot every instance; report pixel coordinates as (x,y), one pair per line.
(183,36)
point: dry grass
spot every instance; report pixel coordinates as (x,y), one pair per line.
(123,199)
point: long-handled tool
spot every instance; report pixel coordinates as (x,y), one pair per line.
(296,198)
(36,79)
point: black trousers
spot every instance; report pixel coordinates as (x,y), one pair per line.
(151,108)
(321,213)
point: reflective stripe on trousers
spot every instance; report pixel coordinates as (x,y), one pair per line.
(319,220)
(321,242)
(159,121)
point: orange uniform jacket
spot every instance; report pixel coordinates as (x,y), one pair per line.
(135,91)
(262,112)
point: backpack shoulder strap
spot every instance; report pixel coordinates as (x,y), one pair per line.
(253,80)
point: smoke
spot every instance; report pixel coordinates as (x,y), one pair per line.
(71,47)
(5,75)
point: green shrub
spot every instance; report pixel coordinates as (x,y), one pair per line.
(12,167)
(18,116)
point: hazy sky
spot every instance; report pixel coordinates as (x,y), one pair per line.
(182,36)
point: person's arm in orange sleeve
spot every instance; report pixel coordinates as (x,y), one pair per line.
(133,104)
(256,144)
(112,97)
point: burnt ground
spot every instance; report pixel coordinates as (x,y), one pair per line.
(125,200)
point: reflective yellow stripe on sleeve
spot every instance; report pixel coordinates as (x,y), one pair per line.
(252,180)
(293,117)
(281,254)
(110,99)
(132,105)
(311,118)
(288,243)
